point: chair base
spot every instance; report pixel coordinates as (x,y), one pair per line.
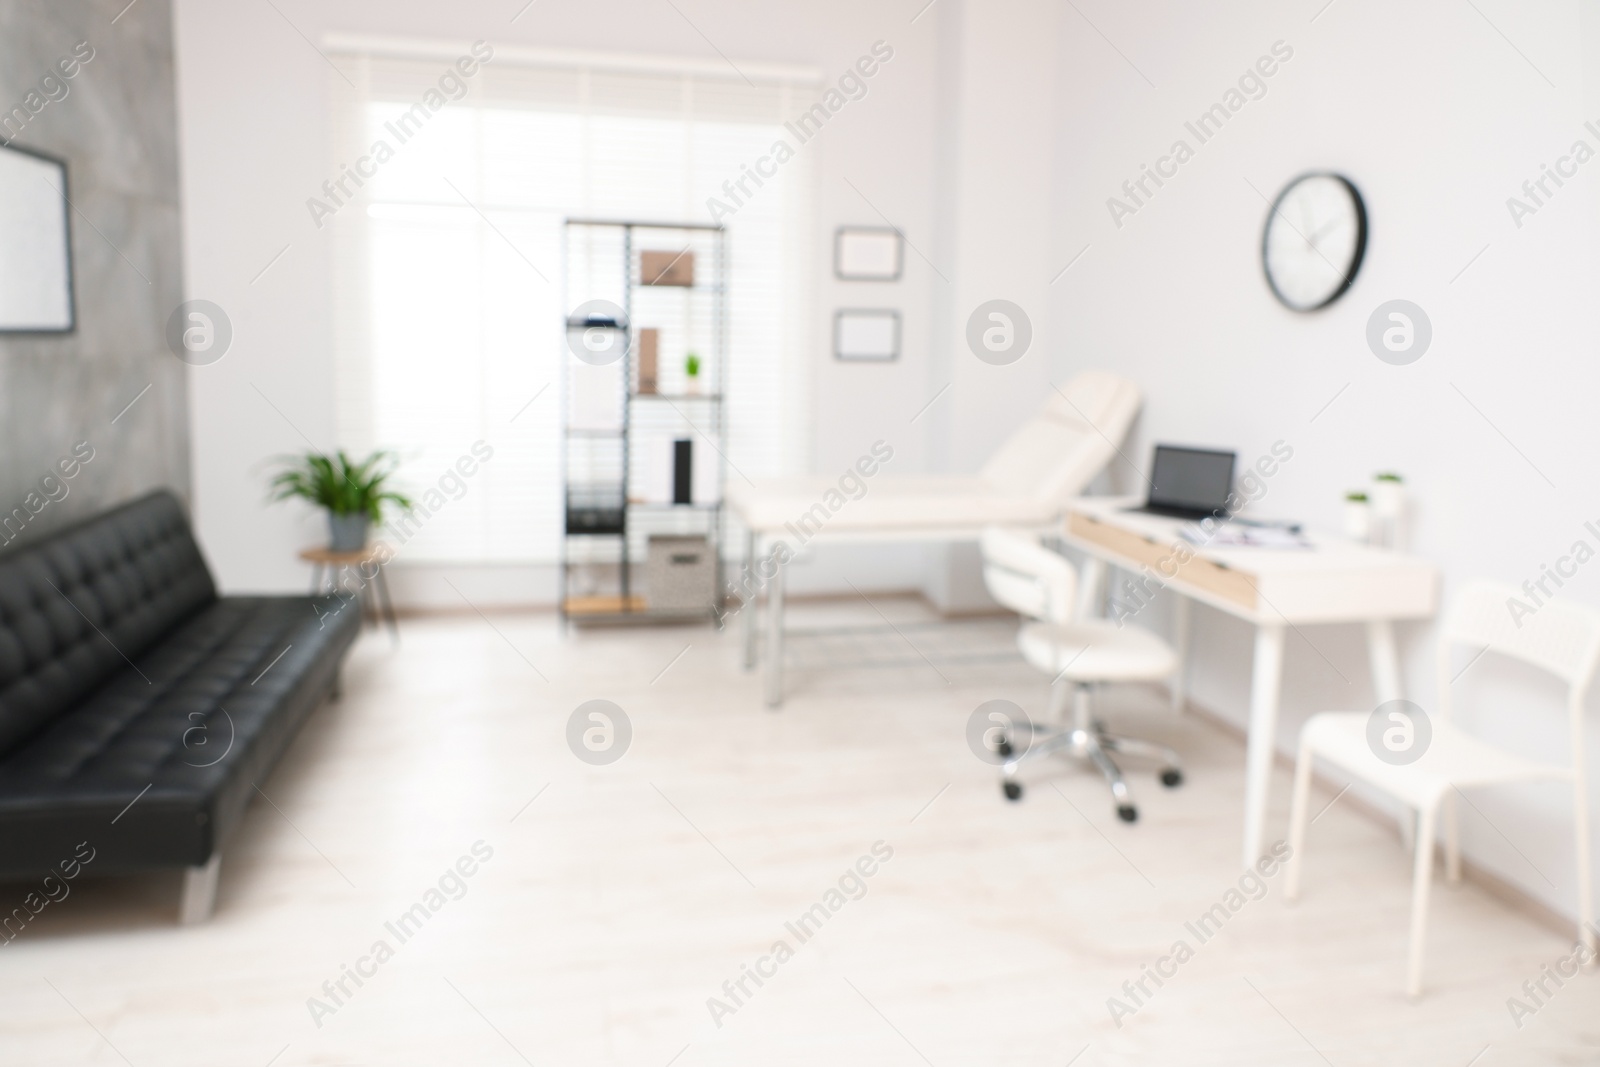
(1088,740)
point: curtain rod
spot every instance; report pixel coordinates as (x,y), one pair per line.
(523,55)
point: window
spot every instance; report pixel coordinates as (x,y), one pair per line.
(449,277)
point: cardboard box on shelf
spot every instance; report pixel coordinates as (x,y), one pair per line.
(680,574)
(649,351)
(666,268)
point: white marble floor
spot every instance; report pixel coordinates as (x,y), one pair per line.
(619,898)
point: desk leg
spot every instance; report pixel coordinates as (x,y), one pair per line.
(1385,663)
(1180,644)
(748,599)
(1385,660)
(773,668)
(1266,674)
(316,579)
(1091,586)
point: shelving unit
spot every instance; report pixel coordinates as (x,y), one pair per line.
(618,441)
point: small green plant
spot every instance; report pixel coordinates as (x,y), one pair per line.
(1356,497)
(691,365)
(1387,476)
(343,487)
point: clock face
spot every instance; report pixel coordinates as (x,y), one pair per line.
(1316,235)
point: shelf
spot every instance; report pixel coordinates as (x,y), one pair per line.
(674,396)
(642,506)
(631,609)
(609,530)
(632,224)
(601,435)
(654,287)
(629,531)
(604,605)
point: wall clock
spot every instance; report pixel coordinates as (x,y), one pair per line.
(1315,237)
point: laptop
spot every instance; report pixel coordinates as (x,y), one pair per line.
(1189,483)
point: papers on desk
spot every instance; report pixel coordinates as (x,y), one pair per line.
(1234,535)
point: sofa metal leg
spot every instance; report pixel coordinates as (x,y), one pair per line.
(199,891)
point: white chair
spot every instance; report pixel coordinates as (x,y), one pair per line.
(1078,654)
(1561,638)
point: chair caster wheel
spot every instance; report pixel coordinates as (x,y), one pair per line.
(1004,747)
(1012,790)
(1172,777)
(1127,813)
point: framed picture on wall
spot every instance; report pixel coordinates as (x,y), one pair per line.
(869,335)
(35,244)
(862,254)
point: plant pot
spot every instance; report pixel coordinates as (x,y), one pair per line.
(347,533)
(1357,520)
(1388,499)
(691,386)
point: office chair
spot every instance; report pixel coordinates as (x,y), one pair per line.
(1560,638)
(1078,654)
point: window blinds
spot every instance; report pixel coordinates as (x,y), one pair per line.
(448,287)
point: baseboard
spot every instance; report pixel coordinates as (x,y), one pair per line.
(426,588)
(422,586)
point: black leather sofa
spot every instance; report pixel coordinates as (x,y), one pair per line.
(138,709)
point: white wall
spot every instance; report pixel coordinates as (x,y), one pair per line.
(1437,120)
(993,141)
(254,103)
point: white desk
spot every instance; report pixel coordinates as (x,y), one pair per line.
(1272,589)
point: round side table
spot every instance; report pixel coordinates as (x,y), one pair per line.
(326,565)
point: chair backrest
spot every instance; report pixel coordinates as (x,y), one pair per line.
(1027,577)
(1558,636)
(1056,454)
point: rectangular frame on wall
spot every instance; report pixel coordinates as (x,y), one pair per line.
(36,294)
(868,254)
(866,335)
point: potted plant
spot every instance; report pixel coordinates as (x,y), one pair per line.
(691,371)
(1357,516)
(1388,495)
(354,494)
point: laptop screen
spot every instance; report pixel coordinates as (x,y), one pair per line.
(1192,479)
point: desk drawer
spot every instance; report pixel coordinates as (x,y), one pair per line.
(1219,581)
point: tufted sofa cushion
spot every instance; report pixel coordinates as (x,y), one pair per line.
(125,680)
(77,607)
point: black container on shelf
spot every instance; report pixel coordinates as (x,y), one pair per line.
(595,509)
(683,471)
